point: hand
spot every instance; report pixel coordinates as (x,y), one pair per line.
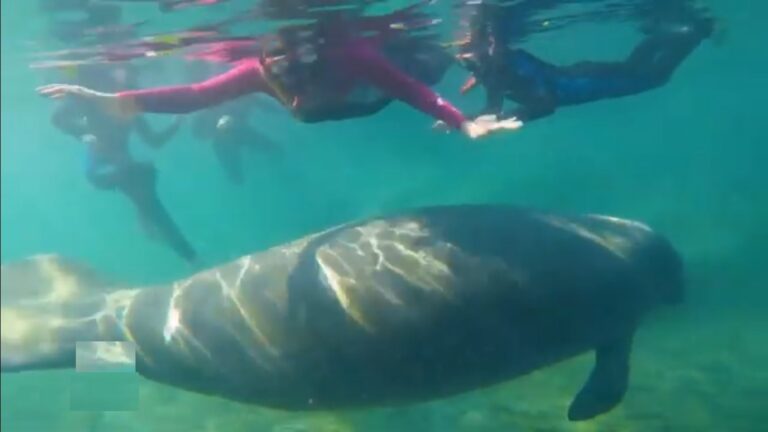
(486,124)
(441,126)
(57,91)
(469,85)
(224,123)
(108,102)
(89,139)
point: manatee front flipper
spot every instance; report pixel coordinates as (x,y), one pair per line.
(607,382)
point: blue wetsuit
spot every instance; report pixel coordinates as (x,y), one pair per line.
(109,166)
(577,88)
(540,87)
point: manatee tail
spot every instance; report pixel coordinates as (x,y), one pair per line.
(47,305)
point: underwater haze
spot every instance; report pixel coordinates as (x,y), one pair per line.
(687,159)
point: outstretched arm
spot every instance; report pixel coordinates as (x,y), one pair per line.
(534,106)
(527,113)
(243,79)
(369,65)
(156,138)
(494,96)
(494,99)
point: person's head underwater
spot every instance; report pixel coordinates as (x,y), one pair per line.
(478,59)
(108,77)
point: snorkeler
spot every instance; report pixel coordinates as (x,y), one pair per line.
(539,88)
(316,82)
(228,129)
(109,165)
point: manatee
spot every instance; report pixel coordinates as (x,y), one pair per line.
(403,308)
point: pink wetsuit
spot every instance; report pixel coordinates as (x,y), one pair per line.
(358,62)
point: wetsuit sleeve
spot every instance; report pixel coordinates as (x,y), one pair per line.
(367,64)
(526,113)
(537,104)
(494,83)
(241,80)
(494,100)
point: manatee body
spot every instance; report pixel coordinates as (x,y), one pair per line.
(410,307)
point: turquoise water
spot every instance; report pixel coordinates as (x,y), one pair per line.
(685,158)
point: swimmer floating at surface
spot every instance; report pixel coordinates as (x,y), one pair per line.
(321,86)
(540,88)
(109,164)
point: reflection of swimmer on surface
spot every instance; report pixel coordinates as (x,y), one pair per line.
(172,5)
(316,82)
(109,164)
(539,87)
(98,21)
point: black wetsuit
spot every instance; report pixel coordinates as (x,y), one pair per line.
(228,143)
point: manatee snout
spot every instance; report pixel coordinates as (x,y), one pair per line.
(665,269)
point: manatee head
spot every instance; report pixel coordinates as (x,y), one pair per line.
(663,266)
(654,256)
